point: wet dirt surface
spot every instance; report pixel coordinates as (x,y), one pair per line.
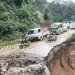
(41,48)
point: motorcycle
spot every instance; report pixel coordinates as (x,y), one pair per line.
(52,37)
(24,42)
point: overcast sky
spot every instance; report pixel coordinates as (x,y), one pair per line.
(65,0)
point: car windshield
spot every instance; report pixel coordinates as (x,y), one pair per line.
(54,26)
(31,32)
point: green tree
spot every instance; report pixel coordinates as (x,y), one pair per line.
(19,15)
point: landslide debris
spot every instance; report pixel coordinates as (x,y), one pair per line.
(22,64)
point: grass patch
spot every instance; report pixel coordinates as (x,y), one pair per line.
(5,43)
(10,40)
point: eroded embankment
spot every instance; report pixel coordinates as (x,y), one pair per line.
(61,59)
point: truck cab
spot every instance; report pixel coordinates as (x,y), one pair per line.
(35,33)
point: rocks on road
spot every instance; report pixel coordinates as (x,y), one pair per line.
(22,64)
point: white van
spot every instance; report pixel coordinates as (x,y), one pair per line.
(72,25)
(35,33)
(65,27)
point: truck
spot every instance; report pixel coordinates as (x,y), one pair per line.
(57,28)
(38,33)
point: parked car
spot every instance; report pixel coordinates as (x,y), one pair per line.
(65,27)
(35,33)
(72,25)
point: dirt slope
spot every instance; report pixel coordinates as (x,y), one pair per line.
(63,60)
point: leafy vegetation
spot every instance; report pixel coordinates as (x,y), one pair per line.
(64,12)
(21,15)
(18,15)
(73,37)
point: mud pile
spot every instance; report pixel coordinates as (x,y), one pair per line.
(22,64)
(61,59)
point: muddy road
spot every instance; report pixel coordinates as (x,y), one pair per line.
(41,48)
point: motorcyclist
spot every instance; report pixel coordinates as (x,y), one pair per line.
(23,38)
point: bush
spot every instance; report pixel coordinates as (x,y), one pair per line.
(73,37)
(11,37)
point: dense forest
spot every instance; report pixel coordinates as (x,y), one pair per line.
(21,15)
(18,16)
(64,12)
